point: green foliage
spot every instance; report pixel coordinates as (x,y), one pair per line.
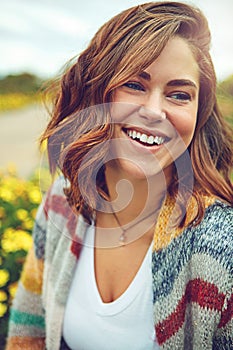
(24,83)
(17,91)
(225,88)
(225,98)
(14,101)
(226,107)
(19,200)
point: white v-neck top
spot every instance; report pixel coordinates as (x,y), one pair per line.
(126,323)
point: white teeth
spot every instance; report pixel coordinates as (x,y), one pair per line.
(150,140)
(145,138)
(158,140)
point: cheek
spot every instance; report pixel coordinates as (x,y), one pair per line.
(187,127)
(121,108)
(118,112)
(185,124)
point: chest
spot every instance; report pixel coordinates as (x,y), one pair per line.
(85,310)
(116,268)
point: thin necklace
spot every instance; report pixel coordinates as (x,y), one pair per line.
(122,238)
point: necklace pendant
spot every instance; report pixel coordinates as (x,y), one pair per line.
(122,239)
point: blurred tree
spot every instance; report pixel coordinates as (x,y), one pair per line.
(226,86)
(225,98)
(24,83)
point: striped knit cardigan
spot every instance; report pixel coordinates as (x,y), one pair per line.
(192,279)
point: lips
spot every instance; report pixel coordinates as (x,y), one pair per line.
(145,137)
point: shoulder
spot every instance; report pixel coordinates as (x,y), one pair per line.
(214,235)
(217,224)
(55,199)
(202,252)
(53,215)
(57,187)
(219,213)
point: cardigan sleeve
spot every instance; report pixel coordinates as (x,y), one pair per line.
(27,319)
(223,339)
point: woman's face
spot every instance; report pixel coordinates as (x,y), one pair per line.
(155,113)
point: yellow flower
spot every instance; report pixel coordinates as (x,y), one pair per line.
(16,100)
(3,309)
(28,224)
(34,212)
(35,195)
(13,240)
(13,184)
(3,296)
(21,214)
(4,277)
(7,195)
(21,189)
(12,289)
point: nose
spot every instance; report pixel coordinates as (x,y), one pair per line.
(152,108)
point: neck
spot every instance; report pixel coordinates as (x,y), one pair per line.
(134,198)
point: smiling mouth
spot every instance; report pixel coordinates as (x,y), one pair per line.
(145,139)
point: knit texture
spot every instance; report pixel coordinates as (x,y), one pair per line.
(191,270)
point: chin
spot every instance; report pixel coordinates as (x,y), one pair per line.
(140,171)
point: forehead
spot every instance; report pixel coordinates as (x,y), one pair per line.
(175,61)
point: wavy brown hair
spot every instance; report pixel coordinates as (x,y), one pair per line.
(123,47)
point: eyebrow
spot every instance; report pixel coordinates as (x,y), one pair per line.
(145,75)
(182,82)
(176,82)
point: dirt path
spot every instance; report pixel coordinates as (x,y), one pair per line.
(19,132)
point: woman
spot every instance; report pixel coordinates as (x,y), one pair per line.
(133,244)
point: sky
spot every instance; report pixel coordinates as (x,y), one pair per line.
(41,36)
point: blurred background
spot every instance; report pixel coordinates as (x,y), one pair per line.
(37,38)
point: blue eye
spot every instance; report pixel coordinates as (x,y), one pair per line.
(134,86)
(180,96)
